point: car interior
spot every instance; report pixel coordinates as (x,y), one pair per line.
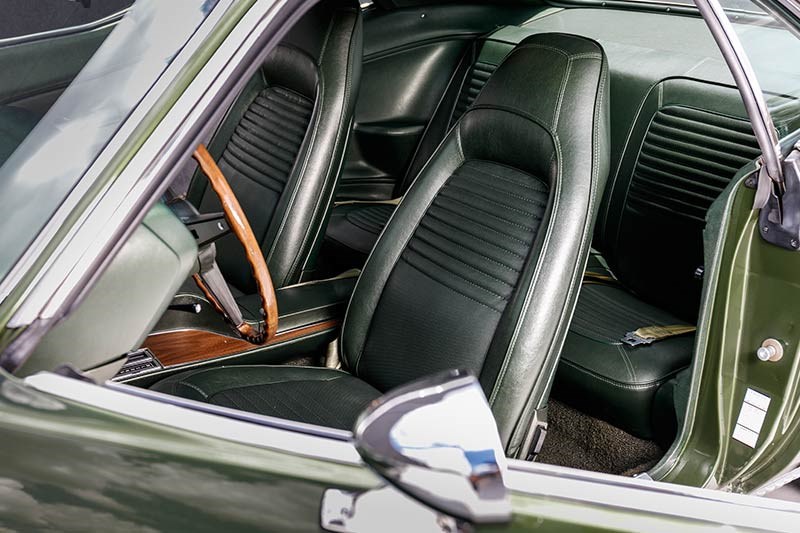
(511,188)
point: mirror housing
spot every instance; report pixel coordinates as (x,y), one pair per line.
(436,440)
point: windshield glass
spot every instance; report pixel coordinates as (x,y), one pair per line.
(48,162)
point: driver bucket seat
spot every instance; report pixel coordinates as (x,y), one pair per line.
(479,266)
(282,144)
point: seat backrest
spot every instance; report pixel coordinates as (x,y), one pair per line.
(687,142)
(479,61)
(282,143)
(480,264)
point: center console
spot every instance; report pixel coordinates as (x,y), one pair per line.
(192,334)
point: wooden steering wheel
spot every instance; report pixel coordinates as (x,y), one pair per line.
(262,332)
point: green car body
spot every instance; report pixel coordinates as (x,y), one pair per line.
(86,457)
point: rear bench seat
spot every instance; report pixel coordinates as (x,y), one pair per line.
(686,143)
(682,147)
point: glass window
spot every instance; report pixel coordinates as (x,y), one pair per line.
(772,47)
(48,163)
(25,17)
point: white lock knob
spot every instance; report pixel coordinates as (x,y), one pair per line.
(770,350)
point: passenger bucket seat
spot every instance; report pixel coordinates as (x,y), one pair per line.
(282,144)
(480,265)
(354,226)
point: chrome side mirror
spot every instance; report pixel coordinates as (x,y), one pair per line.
(436,440)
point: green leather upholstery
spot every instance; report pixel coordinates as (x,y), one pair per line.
(282,143)
(479,266)
(687,142)
(354,228)
(15,124)
(319,396)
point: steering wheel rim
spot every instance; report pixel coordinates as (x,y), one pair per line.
(240,226)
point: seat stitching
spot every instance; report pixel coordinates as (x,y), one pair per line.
(561,91)
(526,199)
(468,249)
(541,189)
(440,220)
(636,387)
(454,185)
(457,260)
(627,361)
(478,223)
(448,286)
(194,387)
(534,277)
(487,213)
(437,263)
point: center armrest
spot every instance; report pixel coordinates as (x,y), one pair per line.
(306,303)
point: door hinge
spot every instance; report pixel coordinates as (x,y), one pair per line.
(779,219)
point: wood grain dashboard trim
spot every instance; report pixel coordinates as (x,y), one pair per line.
(173,348)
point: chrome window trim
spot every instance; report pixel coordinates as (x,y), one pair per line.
(652,497)
(108,20)
(603,491)
(790,6)
(244,428)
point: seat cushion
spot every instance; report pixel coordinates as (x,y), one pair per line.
(320,396)
(607,378)
(357,226)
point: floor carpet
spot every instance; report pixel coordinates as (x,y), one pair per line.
(577,440)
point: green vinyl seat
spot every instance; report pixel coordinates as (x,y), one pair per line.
(354,227)
(687,142)
(282,142)
(477,263)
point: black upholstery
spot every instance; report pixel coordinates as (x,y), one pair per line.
(281,145)
(354,226)
(687,142)
(319,396)
(479,266)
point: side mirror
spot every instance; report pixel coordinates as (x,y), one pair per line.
(436,440)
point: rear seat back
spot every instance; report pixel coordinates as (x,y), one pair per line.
(688,140)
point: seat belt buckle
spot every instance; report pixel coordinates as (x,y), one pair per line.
(632,338)
(650,334)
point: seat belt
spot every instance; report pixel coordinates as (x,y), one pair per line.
(596,278)
(644,335)
(651,334)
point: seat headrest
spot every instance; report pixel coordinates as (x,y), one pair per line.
(533,78)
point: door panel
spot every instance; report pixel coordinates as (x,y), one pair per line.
(409,59)
(399,92)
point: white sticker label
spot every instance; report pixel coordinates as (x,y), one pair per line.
(751,417)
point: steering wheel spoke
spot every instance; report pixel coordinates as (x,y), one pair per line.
(210,279)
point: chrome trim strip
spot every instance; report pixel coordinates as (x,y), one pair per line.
(590,489)
(609,491)
(205,419)
(747,82)
(63,32)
